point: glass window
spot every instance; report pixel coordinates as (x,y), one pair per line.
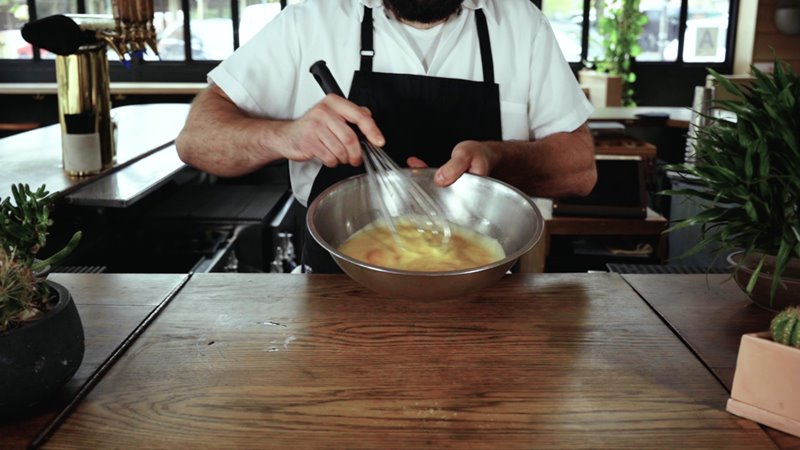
(13,15)
(51,7)
(595,50)
(661,27)
(168,23)
(98,6)
(659,40)
(705,39)
(212,29)
(706,31)
(566,18)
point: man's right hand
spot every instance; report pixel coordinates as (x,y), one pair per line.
(323,133)
(221,139)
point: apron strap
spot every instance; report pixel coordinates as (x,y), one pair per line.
(367,50)
(486,47)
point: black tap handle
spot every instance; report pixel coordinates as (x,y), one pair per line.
(325,78)
(58,34)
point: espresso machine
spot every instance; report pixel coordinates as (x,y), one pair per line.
(80,43)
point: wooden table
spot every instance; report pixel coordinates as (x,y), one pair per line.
(111,307)
(316,361)
(709,313)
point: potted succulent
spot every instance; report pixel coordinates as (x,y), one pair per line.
(767,370)
(41,335)
(620,25)
(745,180)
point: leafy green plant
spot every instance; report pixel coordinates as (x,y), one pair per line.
(620,27)
(749,173)
(785,327)
(24,227)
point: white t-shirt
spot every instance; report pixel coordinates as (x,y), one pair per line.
(269,75)
(424,42)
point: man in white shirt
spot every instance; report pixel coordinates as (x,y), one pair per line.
(475,86)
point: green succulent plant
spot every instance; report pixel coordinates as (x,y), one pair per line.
(22,298)
(785,327)
(747,174)
(24,225)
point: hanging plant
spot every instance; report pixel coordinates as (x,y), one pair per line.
(620,26)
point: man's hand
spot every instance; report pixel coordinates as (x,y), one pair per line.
(559,165)
(221,139)
(467,157)
(324,133)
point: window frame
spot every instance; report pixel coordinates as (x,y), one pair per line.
(730,39)
(37,69)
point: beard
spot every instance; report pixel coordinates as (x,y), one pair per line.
(423,11)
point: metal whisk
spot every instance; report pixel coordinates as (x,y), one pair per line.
(399,196)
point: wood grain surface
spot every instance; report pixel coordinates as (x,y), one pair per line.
(110,307)
(316,361)
(767,38)
(711,313)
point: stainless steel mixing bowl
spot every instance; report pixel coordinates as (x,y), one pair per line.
(483,204)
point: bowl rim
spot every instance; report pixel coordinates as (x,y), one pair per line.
(336,254)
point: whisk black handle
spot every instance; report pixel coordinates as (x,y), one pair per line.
(329,85)
(325,78)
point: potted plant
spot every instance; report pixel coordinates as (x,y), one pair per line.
(41,335)
(620,25)
(767,370)
(745,180)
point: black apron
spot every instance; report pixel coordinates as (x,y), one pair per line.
(418,115)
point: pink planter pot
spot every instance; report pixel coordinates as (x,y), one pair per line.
(765,385)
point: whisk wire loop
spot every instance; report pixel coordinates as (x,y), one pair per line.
(401,197)
(395,188)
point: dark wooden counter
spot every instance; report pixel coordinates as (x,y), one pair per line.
(111,306)
(710,313)
(293,361)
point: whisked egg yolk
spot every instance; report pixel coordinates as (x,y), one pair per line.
(413,250)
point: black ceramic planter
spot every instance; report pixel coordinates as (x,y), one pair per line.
(40,357)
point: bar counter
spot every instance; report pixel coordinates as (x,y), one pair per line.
(145,158)
(317,361)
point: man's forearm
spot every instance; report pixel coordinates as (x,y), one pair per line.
(220,139)
(559,165)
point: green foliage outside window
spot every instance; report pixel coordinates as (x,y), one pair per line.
(620,26)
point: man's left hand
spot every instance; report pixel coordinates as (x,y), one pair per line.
(474,157)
